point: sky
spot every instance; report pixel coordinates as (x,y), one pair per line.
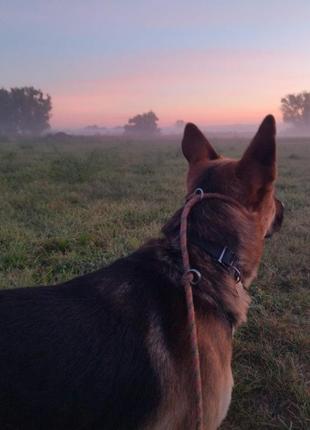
(209,62)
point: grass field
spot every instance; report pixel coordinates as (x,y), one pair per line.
(70,207)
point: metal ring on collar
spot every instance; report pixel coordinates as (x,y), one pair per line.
(200,192)
(196,276)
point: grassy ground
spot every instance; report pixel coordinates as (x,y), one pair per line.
(70,207)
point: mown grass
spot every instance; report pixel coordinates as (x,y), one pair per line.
(69,207)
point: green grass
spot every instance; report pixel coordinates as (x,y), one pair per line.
(70,207)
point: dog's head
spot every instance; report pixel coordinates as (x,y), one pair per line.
(249,180)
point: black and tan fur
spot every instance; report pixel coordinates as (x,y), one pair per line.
(110,350)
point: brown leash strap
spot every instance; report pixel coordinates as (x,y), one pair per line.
(190,278)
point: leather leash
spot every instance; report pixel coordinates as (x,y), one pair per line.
(191,277)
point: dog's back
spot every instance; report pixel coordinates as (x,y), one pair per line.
(109,350)
(74,356)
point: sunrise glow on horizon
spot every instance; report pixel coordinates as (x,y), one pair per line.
(105,61)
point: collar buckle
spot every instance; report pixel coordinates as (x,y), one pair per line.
(228,262)
(222,255)
(220,259)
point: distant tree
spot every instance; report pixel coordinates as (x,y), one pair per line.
(296,109)
(179,124)
(6,114)
(145,123)
(24,111)
(94,130)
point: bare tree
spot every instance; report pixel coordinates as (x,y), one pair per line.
(179,124)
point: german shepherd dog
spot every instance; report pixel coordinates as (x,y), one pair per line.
(110,350)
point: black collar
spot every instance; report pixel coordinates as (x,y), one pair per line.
(222,255)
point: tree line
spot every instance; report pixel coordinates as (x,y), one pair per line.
(26,111)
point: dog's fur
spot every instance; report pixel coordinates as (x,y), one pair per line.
(110,350)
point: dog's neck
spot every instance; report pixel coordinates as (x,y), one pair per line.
(226,226)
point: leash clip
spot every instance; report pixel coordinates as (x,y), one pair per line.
(196,276)
(199,192)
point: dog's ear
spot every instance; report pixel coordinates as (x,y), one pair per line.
(195,146)
(258,164)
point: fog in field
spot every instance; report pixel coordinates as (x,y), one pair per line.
(226,131)
(27,112)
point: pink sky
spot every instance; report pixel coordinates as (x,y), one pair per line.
(209,62)
(212,87)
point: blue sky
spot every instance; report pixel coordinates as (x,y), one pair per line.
(206,61)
